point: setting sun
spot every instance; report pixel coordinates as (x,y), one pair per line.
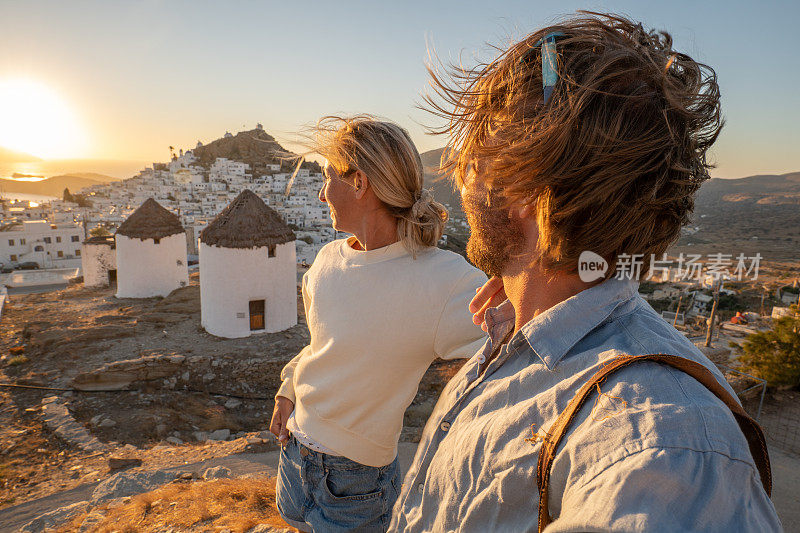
(34,119)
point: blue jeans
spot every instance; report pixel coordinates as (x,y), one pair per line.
(321,493)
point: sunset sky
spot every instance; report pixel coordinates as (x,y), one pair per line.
(124,80)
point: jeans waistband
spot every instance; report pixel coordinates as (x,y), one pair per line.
(338,462)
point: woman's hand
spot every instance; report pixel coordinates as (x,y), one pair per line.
(491,294)
(280,415)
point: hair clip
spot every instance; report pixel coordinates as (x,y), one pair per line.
(549,63)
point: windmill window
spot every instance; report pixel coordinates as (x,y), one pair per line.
(271,250)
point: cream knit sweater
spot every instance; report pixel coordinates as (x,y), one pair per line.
(377,319)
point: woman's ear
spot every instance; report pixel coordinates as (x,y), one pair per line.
(361,184)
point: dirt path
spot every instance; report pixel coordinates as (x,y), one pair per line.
(13,518)
(786,488)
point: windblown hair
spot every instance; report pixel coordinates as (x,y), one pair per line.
(384,152)
(611,161)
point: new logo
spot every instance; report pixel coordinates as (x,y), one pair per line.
(591,266)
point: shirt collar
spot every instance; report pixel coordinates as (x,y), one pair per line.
(553,333)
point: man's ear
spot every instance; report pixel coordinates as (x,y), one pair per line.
(361,184)
(527,217)
(527,211)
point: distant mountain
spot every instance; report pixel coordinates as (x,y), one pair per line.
(54,186)
(755,190)
(431,158)
(441,185)
(102,178)
(758,214)
(255,147)
(11,156)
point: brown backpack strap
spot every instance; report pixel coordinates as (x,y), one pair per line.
(751,429)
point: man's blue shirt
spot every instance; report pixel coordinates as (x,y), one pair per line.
(653,451)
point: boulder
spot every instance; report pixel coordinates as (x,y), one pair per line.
(233,403)
(217,472)
(220,434)
(119,374)
(53,518)
(92,520)
(107,423)
(116,463)
(57,417)
(131,483)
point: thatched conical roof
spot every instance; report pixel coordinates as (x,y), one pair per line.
(247,222)
(150,221)
(100,239)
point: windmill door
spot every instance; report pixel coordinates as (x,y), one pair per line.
(257,319)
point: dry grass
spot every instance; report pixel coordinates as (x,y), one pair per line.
(234,504)
(17,360)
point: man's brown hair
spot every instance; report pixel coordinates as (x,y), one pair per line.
(612,160)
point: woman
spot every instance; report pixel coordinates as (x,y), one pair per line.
(380,306)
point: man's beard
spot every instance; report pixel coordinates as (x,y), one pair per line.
(494,234)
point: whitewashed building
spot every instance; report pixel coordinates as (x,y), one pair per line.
(248,280)
(48,245)
(224,169)
(99,261)
(151,253)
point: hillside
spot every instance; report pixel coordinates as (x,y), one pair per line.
(53,186)
(11,156)
(102,178)
(255,147)
(758,214)
(442,186)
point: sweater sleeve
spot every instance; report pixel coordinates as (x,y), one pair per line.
(287,374)
(456,335)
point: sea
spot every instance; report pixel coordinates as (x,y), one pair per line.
(35,171)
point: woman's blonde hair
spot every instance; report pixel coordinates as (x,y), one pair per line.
(384,152)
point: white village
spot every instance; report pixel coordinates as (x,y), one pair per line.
(147,233)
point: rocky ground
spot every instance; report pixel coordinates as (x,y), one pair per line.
(148,388)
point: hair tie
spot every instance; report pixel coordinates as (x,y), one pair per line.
(423,200)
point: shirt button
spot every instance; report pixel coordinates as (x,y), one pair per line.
(445,426)
(421,488)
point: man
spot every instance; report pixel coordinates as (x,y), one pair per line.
(588,136)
